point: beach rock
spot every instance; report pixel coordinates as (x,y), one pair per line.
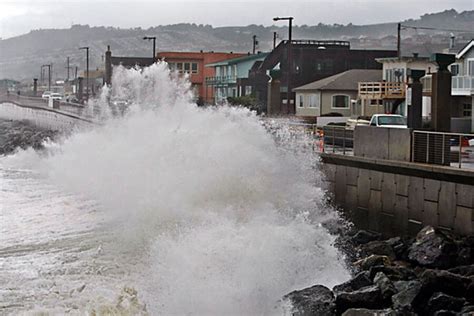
(315,300)
(363,237)
(385,285)
(433,248)
(370,312)
(440,301)
(467,310)
(394,273)
(361,280)
(372,260)
(407,293)
(444,281)
(366,297)
(380,248)
(399,246)
(463,270)
(444,313)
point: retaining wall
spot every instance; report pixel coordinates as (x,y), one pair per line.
(42,116)
(397,197)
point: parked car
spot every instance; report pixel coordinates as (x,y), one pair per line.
(46,94)
(55,96)
(388,120)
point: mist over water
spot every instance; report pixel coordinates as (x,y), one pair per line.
(207,214)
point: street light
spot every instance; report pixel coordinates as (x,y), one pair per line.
(288,79)
(87,70)
(153,38)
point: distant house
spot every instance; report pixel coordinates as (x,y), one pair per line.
(335,94)
(230,75)
(193,63)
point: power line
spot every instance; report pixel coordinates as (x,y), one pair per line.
(433,28)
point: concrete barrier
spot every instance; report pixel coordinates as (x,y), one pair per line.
(43,117)
(382,143)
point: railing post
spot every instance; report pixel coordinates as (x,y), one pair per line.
(413,136)
(344,141)
(333,139)
(460,149)
(442,150)
(427,147)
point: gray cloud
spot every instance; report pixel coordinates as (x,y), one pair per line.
(20,16)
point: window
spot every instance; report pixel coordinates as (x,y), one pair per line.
(248,90)
(340,101)
(187,67)
(454,69)
(470,67)
(376,102)
(313,101)
(194,68)
(467,110)
(301,101)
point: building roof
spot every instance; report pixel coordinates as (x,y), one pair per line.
(403,58)
(238,60)
(465,49)
(347,80)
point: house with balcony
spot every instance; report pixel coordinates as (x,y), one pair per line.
(230,77)
(336,95)
(193,65)
(391,92)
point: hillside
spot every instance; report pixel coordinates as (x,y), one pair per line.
(21,57)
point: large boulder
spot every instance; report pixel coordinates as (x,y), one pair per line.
(440,301)
(366,297)
(315,300)
(444,281)
(463,270)
(394,273)
(370,312)
(363,237)
(381,248)
(433,248)
(372,260)
(385,285)
(408,291)
(361,280)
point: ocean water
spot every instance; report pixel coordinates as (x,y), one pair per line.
(169,210)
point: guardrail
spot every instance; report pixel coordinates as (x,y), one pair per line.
(337,139)
(447,149)
(381,90)
(73,108)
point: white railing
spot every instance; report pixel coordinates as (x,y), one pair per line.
(462,85)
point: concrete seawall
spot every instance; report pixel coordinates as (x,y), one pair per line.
(43,117)
(397,197)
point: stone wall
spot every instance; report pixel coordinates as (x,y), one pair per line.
(394,197)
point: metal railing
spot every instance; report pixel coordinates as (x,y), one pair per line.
(446,149)
(381,90)
(337,139)
(319,43)
(217,80)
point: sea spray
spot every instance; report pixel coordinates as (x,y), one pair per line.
(222,219)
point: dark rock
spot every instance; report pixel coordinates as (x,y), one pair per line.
(465,256)
(463,270)
(363,237)
(470,292)
(433,248)
(370,312)
(399,246)
(366,297)
(444,281)
(381,248)
(385,285)
(394,273)
(467,310)
(444,313)
(373,260)
(315,300)
(359,281)
(440,301)
(407,293)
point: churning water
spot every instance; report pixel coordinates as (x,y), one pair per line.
(169,210)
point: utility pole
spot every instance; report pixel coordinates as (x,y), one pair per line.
(49,75)
(67,67)
(153,38)
(275,36)
(87,70)
(255,43)
(289,62)
(399,40)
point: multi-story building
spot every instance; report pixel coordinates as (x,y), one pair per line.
(230,77)
(193,64)
(310,61)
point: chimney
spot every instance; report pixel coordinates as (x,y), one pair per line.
(451,41)
(415,55)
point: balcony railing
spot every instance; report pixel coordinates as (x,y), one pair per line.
(221,80)
(381,90)
(462,85)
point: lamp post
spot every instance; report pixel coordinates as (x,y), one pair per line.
(87,70)
(49,75)
(255,43)
(289,108)
(152,38)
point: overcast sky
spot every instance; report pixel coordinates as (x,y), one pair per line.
(20,16)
